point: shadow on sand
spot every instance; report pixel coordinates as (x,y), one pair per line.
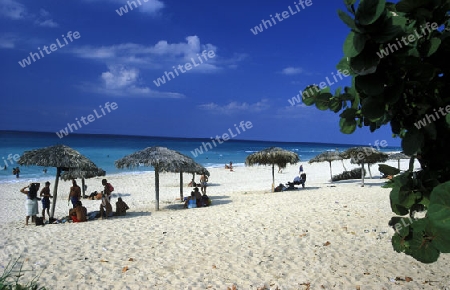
(216,200)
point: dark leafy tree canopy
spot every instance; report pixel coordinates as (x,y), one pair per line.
(398,55)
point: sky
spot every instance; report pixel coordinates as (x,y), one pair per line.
(97,67)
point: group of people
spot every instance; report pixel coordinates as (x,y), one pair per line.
(203,183)
(78,212)
(31,204)
(197,199)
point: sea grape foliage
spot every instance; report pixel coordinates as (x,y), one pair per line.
(400,87)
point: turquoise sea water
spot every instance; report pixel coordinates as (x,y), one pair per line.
(103,150)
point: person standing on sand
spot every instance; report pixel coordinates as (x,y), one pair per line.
(203,183)
(45,194)
(300,169)
(75,194)
(31,204)
(105,207)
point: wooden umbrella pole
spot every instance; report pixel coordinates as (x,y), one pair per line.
(362,174)
(273,177)
(331,172)
(83,186)
(156,188)
(181,186)
(55,191)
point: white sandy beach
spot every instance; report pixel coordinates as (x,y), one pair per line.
(326,236)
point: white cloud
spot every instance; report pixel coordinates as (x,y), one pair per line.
(161,56)
(121,81)
(292,70)
(7,41)
(12,9)
(151,7)
(47,23)
(44,19)
(236,107)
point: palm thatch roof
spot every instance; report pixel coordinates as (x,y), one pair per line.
(74,173)
(361,155)
(327,156)
(397,156)
(162,159)
(60,156)
(272,156)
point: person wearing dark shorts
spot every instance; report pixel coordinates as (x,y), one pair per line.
(45,195)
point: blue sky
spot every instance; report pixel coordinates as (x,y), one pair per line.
(117,59)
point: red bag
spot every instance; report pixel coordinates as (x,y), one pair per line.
(110,187)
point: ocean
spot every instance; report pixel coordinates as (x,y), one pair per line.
(103,150)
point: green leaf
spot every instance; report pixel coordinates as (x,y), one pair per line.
(310,94)
(364,63)
(348,113)
(412,142)
(344,65)
(409,6)
(398,243)
(433,45)
(349,2)
(447,119)
(371,85)
(354,44)
(348,126)
(392,27)
(347,20)
(439,216)
(420,247)
(323,101)
(373,108)
(369,11)
(335,104)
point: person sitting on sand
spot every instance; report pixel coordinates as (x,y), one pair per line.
(191,202)
(75,193)
(78,213)
(229,166)
(121,207)
(105,207)
(205,200)
(198,197)
(45,194)
(192,183)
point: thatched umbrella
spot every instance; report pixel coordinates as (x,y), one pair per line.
(398,156)
(60,156)
(190,167)
(74,173)
(327,156)
(272,156)
(161,158)
(361,155)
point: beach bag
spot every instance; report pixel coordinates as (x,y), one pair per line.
(110,187)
